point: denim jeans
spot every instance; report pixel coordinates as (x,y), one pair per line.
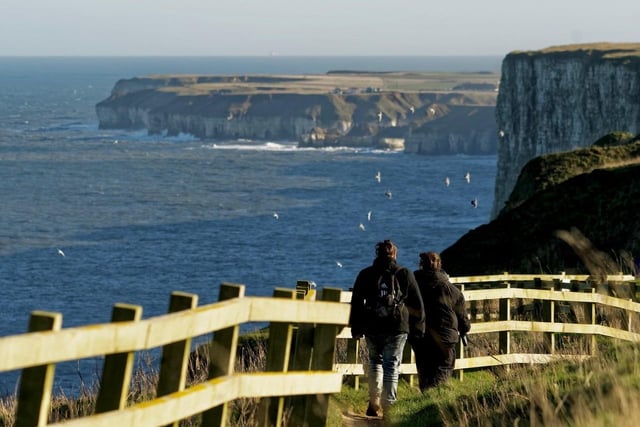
(385,356)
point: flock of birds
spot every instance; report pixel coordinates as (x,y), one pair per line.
(389,195)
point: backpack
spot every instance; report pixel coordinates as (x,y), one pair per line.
(389,297)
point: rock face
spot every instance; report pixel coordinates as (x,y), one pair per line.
(562,98)
(591,195)
(267,108)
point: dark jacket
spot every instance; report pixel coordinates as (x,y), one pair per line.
(444,305)
(363,320)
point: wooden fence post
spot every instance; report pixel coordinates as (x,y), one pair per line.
(324,353)
(116,371)
(175,356)
(593,317)
(504,337)
(271,410)
(353,356)
(34,394)
(302,345)
(459,373)
(548,315)
(222,355)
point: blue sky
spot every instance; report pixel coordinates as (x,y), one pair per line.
(302,27)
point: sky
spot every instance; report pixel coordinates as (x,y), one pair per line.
(308,28)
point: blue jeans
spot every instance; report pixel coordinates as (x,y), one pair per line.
(385,356)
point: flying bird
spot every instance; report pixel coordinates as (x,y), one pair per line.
(388,194)
(447,181)
(501,134)
(361,226)
(369,216)
(378,177)
(467,176)
(339,264)
(474,203)
(60,252)
(276,216)
(379,116)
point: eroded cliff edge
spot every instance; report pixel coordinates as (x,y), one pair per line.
(562,98)
(427,113)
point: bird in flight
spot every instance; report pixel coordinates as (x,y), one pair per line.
(388,194)
(60,252)
(378,177)
(474,203)
(369,216)
(447,181)
(361,226)
(467,176)
(276,216)
(339,264)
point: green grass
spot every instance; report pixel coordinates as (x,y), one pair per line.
(603,391)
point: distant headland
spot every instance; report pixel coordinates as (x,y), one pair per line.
(420,112)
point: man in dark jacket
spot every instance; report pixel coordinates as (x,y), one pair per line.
(446,322)
(385,307)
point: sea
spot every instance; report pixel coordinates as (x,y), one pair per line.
(91,217)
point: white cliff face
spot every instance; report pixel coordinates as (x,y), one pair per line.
(558,101)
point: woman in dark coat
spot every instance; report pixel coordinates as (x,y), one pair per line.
(446,322)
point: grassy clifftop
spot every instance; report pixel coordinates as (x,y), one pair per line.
(573,212)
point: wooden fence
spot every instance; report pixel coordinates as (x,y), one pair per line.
(302,362)
(549,306)
(309,376)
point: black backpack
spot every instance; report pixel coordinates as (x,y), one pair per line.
(389,297)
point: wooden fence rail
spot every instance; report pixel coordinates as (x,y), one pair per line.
(302,360)
(498,319)
(47,343)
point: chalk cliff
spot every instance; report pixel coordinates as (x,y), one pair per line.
(562,98)
(311,110)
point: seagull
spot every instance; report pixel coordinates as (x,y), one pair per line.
(474,203)
(276,216)
(379,116)
(447,181)
(467,176)
(412,109)
(369,216)
(432,110)
(501,134)
(60,252)
(339,264)
(361,226)
(388,194)
(378,177)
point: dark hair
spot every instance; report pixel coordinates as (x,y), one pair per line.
(386,248)
(430,260)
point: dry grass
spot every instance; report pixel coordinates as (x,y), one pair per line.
(327,83)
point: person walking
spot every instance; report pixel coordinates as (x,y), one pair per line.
(386,307)
(447,322)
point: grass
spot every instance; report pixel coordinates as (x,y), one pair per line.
(602,391)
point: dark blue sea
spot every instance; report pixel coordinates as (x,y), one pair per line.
(140,216)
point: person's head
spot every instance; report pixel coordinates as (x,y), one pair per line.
(386,249)
(430,261)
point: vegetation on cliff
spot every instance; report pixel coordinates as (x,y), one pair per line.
(565,209)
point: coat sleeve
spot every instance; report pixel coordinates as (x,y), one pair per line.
(415,306)
(464,323)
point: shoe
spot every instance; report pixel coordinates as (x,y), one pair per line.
(373,411)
